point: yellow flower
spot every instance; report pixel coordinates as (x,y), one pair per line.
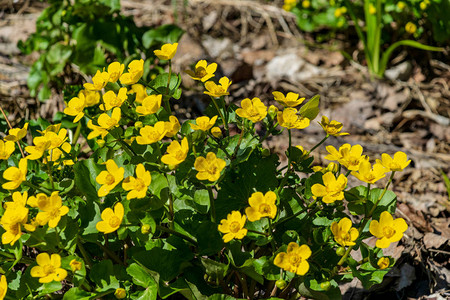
(75,107)
(140,91)
(15,215)
(115,70)
(383,262)
(75,265)
(91,98)
(423,6)
(370,174)
(202,71)
(15,175)
(261,206)
(332,128)
(254,110)
(6,149)
(172,127)
(306,3)
(48,269)
(209,168)
(233,226)
(109,178)
(372,9)
(338,12)
(291,99)
(135,72)
(137,186)
(111,220)
(294,259)
(344,233)
(216,132)
(401,5)
(105,123)
(203,123)
(288,118)
(112,100)
(216,90)
(99,80)
(51,210)
(167,51)
(332,188)
(272,111)
(397,163)
(57,153)
(16,134)
(176,153)
(387,230)
(96,131)
(120,293)
(3,287)
(150,105)
(348,156)
(410,27)
(151,134)
(40,199)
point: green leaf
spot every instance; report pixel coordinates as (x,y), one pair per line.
(102,274)
(85,173)
(214,269)
(159,188)
(141,276)
(164,34)
(58,53)
(310,110)
(208,238)
(77,293)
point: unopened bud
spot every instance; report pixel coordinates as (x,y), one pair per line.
(120,293)
(138,124)
(145,229)
(216,132)
(272,111)
(101,143)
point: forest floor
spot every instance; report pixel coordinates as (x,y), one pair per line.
(258,46)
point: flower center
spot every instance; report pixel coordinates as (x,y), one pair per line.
(109,180)
(294,259)
(264,209)
(114,221)
(139,185)
(388,232)
(200,72)
(111,123)
(235,227)
(48,269)
(16,175)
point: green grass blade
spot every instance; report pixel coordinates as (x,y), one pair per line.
(447,183)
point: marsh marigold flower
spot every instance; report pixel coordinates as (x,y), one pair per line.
(115,70)
(172,126)
(3,287)
(397,163)
(387,230)
(233,226)
(109,178)
(176,153)
(51,210)
(99,81)
(16,134)
(135,72)
(112,100)
(75,265)
(150,105)
(140,91)
(261,206)
(294,259)
(288,118)
(291,99)
(372,9)
(370,174)
(105,123)
(75,107)
(332,188)
(14,217)
(91,98)
(167,51)
(111,220)
(410,27)
(137,186)
(218,90)
(151,134)
(401,5)
(15,175)
(344,233)
(209,168)
(348,156)
(6,149)
(48,269)
(204,123)
(254,110)
(120,293)
(202,71)
(332,127)
(216,132)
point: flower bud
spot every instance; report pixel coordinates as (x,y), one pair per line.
(332,167)
(145,229)
(120,293)
(325,285)
(101,143)
(138,125)
(272,111)
(75,265)
(383,263)
(340,251)
(281,284)
(216,132)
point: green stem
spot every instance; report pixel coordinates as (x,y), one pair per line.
(320,143)
(212,205)
(283,181)
(184,237)
(37,188)
(110,253)
(171,212)
(85,255)
(272,240)
(258,232)
(239,142)
(269,130)
(225,123)
(167,96)
(76,134)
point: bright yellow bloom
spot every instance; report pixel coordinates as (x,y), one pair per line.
(348,156)
(16,134)
(167,51)
(75,107)
(272,111)
(135,72)
(288,118)
(48,269)
(332,127)
(120,293)
(344,233)
(40,199)
(410,27)
(216,132)
(75,265)
(172,127)
(150,105)
(261,206)
(423,6)
(397,163)
(331,167)
(372,9)
(203,123)
(140,91)
(387,230)
(3,287)
(291,99)
(137,186)
(176,153)
(57,153)
(91,98)
(105,123)
(151,134)
(332,188)
(294,259)
(15,175)
(202,71)
(370,174)
(111,220)
(51,210)
(96,131)
(99,80)
(15,215)
(254,110)
(216,90)
(209,168)
(115,70)
(109,178)
(401,5)
(233,226)
(6,149)
(383,262)
(306,3)
(112,100)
